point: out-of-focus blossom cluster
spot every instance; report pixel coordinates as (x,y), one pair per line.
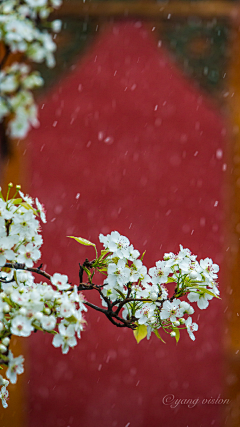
(24,30)
(152,298)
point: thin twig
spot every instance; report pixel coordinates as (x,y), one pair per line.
(18,266)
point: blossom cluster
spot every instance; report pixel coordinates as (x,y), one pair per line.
(24,30)
(27,306)
(145,295)
(143,300)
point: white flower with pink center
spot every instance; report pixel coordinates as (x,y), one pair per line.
(191,327)
(160,273)
(15,366)
(60,281)
(145,313)
(21,326)
(171,310)
(48,322)
(117,244)
(210,270)
(28,255)
(66,338)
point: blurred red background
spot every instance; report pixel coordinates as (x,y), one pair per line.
(127,143)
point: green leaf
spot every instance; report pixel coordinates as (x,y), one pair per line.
(206,291)
(102,269)
(82,241)
(87,271)
(103,253)
(140,332)
(171,280)
(142,255)
(71,319)
(177,332)
(158,335)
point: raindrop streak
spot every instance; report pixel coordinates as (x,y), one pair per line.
(109,140)
(100,136)
(219,153)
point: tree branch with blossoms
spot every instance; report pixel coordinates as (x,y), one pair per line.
(25,32)
(131,296)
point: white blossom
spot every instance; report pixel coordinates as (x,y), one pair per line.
(21,326)
(60,281)
(66,338)
(15,366)
(191,327)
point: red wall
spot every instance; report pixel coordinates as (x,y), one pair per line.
(136,139)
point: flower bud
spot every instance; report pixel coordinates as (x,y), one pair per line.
(56,25)
(47,310)
(176,323)
(173,334)
(23,311)
(48,295)
(193,275)
(3,381)
(38,315)
(153,296)
(6,341)
(6,308)
(182,321)
(3,348)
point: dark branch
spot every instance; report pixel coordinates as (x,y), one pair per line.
(18,266)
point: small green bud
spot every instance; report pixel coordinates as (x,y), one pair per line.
(182,321)
(18,187)
(10,185)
